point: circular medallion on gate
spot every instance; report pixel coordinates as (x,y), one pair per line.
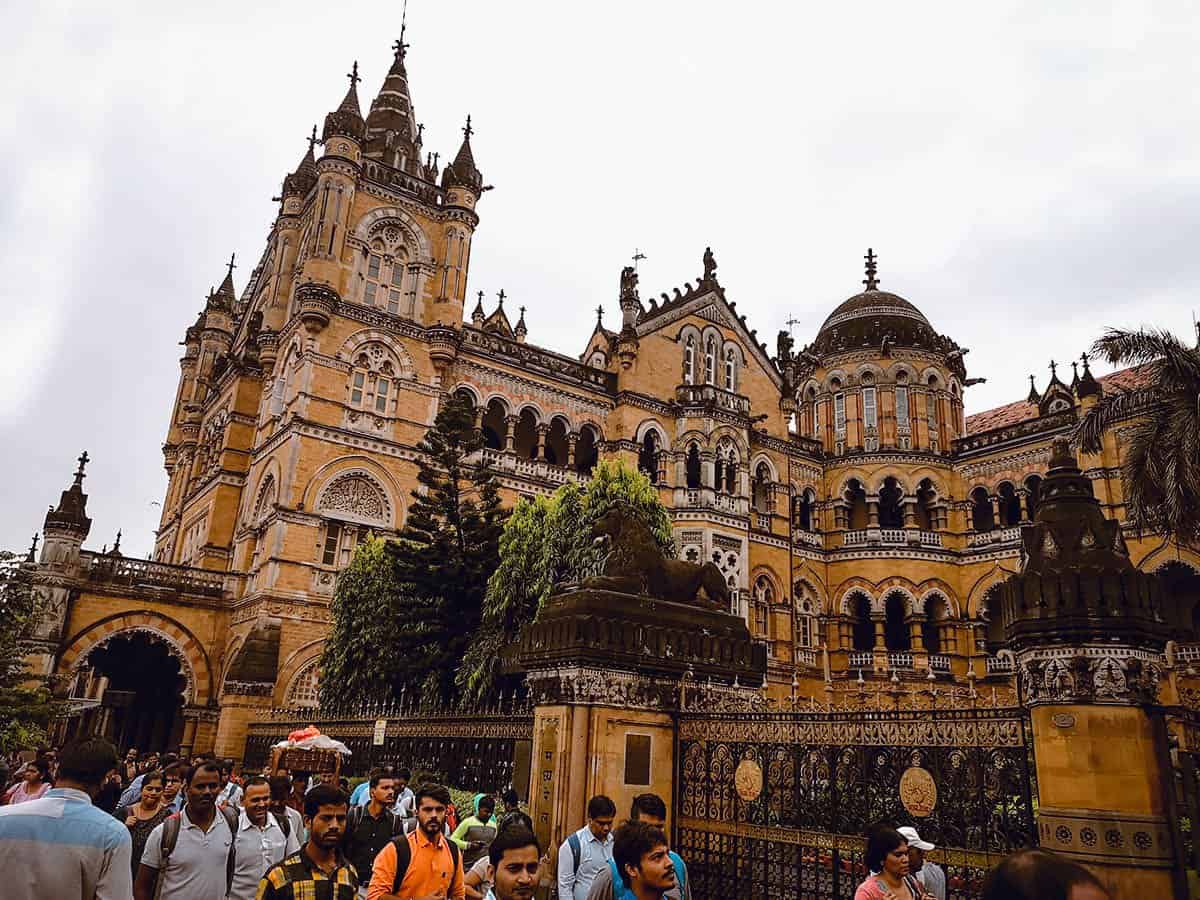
(918,792)
(748,780)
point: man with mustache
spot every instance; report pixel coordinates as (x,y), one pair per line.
(514,856)
(643,860)
(319,870)
(424,865)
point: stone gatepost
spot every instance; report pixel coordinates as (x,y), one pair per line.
(608,672)
(1088,633)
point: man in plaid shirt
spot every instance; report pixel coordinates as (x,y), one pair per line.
(318,871)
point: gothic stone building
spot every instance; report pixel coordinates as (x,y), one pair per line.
(861,518)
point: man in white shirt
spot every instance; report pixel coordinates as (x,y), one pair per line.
(196,866)
(587,851)
(231,792)
(931,876)
(261,842)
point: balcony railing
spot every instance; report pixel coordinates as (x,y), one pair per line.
(762,521)
(809,538)
(536,469)
(939,662)
(999,665)
(806,657)
(894,537)
(711,395)
(1187,653)
(900,660)
(996,536)
(861,659)
(125,570)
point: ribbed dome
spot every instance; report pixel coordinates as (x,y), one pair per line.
(873,304)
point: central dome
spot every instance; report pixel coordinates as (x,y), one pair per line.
(872,304)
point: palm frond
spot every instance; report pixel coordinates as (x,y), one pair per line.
(1151,345)
(1111,409)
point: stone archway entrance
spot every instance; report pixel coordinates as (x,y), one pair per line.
(142,692)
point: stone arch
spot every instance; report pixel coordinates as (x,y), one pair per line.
(838,375)
(648,425)
(876,372)
(265,498)
(992,577)
(302,688)
(464,387)
(892,586)
(1168,552)
(539,415)
(179,641)
(414,236)
(761,459)
(502,400)
(362,466)
(357,497)
(928,588)
(932,379)
(365,336)
(852,588)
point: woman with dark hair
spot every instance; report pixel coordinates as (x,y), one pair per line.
(886,859)
(142,817)
(34,782)
(1041,875)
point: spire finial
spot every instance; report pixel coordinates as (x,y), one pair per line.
(501,295)
(32,555)
(420,131)
(1084,358)
(599,315)
(312,139)
(522,312)
(1053,370)
(353,76)
(871,281)
(480,295)
(1075,369)
(231,265)
(467,129)
(83,461)
(400,46)
(117,544)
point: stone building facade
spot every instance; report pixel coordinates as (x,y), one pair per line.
(862,519)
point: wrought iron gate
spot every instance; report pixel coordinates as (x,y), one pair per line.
(776,804)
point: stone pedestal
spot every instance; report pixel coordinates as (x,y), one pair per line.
(607,672)
(1088,633)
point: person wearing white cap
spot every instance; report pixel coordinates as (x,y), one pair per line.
(931,876)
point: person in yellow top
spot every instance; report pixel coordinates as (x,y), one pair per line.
(475,846)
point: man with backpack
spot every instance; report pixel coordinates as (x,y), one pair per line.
(191,855)
(424,865)
(586,852)
(261,839)
(370,827)
(650,810)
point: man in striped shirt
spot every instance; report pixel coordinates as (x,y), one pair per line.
(61,845)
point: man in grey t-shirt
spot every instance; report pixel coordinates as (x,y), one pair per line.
(196,869)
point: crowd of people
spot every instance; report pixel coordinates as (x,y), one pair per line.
(87,824)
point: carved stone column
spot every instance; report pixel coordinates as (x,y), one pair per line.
(872,511)
(916,635)
(510,433)
(572,440)
(542,431)
(1087,631)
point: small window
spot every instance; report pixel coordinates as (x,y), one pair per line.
(356,392)
(393,301)
(689,361)
(902,407)
(369,293)
(816,418)
(373,266)
(870,411)
(381,395)
(397,274)
(839,414)
(730,369)
(333,533)
(710,361)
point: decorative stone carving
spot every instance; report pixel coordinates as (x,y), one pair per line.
(1097,674)
(358,496)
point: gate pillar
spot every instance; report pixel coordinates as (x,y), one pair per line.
(607,672)
(1088,635)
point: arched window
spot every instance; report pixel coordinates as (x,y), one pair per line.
(556,442)
(926,497)
(731,369)
(1033,493)
(815,413)
(982,518)
(453,277)
(993,625)
(895,629)
(710,360)
(693,466)
(862,628)
(305,687)
(1010,504)
(587,450)
(353,506)
(804,509)
(936,612)
(281,389)
(373,383)
(762,488)
(648,456)
(385,277)
(764,598)
(856,502)
(806,615)
(495,425)
(891,499)
(526,444)
(931,412)
(689,360)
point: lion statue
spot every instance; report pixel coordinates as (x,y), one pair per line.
(634,564)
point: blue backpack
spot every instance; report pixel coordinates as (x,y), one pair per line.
(621,891)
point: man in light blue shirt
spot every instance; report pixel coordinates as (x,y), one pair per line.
(133,793)
(587,851)
(60,845)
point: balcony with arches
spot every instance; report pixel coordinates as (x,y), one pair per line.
(526,445)
(996,515)
(890,516)
(895,633)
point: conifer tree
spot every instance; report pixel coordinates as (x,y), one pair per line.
(26,706)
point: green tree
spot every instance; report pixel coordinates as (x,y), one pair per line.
(547,543)
(1161,424)
(405,611)
(360,658)
(26,706)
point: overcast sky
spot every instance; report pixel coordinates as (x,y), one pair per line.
(1028,175)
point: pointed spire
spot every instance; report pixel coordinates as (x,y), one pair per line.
(477,313)
(347,119)
(70,515)
(1075,376)
(393,135)
(501,295)
(301,181)
(116,547)
(31,556)
(84,459)
(463,172)
(600,316)
(225,295)
(1054,374)
(521,328)
(1034,397)
(1088,386)
(871,281)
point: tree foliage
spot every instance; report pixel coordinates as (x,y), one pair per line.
(1161,430)
(26,708)
(411,609)
(548,543)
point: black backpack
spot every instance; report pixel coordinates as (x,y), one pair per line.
(404,857)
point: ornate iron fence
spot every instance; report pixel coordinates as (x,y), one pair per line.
(776,804)
(488,750)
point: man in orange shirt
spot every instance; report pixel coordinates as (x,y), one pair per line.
(424,865)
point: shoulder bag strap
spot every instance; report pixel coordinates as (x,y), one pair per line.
(403,858)
(170,836)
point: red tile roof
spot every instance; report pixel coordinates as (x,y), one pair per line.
(1012,413)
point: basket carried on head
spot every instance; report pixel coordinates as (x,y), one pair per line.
(295,759)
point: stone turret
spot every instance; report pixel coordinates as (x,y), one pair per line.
(1088,631)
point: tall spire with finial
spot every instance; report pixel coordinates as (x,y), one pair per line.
(301,181)
(871,281)
(521,329)
(462,172)
(1088,386)
(1034,397)
(225,296)
(393,135)
(347,119)
(70,516)
(31,556)
(477,315)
